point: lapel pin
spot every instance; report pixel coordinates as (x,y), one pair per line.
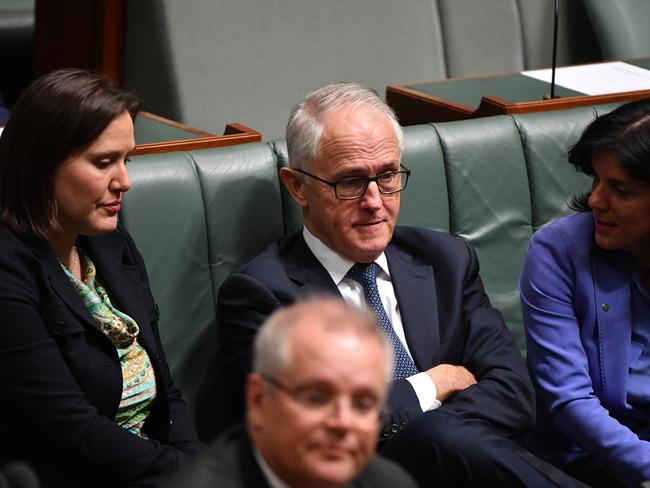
(605,307)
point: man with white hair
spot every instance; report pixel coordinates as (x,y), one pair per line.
(315,396)
(460,388)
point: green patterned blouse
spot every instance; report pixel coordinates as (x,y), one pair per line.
(138,379)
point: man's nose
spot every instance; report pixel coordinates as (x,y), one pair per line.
(342,415)
(372,198)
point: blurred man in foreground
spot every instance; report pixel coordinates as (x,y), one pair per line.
(314,399)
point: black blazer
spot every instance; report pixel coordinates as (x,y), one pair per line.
(60,377)
(446,314)
(230,463)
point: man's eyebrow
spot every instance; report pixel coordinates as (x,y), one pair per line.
(360,172)
(391,165)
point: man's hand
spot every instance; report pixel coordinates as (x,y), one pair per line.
(450,379)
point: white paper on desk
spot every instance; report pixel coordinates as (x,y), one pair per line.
(597,79)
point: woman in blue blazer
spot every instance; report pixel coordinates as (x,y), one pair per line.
(86,394)
(585,291)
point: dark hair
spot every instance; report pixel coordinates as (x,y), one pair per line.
(58,114)
(625,132)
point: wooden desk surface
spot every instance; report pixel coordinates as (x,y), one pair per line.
(462,98)
(155,134)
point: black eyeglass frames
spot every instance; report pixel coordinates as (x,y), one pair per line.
(355,188)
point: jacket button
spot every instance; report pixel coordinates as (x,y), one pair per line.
(394,428)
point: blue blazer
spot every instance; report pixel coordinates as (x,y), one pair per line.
(446,314)
(60,376)
(576,302)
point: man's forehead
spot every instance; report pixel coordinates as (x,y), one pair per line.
(365,141)
(318,344)
(348,118)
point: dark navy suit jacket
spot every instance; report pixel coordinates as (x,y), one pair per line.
(60,376)
(446,314)
(230,463)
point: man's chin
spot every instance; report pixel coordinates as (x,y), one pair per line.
(335,472)
(369,250)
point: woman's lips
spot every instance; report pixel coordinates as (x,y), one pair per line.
(603,226)
(113,207)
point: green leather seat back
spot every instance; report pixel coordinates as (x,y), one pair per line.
(494,36)
(546,139)
(605,108)
(197,215)
(621,27)
(243,209)
(427,186)
(164,212)
(489,203)
(290,209)
(487,43)
(249,61)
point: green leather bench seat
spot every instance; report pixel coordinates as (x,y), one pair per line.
(196,215)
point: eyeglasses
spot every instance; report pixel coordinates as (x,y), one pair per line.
(324,402)
(354,188)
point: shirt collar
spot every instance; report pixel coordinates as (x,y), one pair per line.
(336,265)
(271,477)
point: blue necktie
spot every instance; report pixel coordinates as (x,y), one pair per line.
(366,275)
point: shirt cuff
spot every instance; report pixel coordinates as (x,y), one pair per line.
(425,390)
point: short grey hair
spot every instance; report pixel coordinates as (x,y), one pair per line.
(271,351)
(308,118)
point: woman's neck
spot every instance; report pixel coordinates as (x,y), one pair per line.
(65,249)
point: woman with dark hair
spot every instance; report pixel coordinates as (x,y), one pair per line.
(87,397)
(585,292)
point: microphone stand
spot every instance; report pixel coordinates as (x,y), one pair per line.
(552,95)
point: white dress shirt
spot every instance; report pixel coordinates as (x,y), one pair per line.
(337,266)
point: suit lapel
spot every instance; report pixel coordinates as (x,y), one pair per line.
(415,289)
(59,280)
(251,471)
(121,279)
(613,314)
(306,271)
